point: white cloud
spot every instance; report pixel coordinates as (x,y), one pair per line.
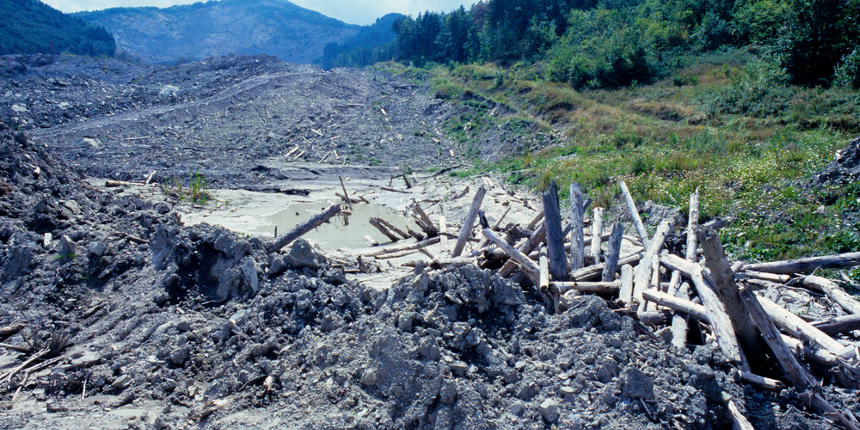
(361,12)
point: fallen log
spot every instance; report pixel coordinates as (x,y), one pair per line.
(803,265)
(802,329)
(468,223)
(403,247)
(299,230)
(833,291)
(383,229)
(676,304)
(762,382)
(390,227)
(586,287)
(595,271)
(10,330)
(771,277)
(839,324)
(797,374)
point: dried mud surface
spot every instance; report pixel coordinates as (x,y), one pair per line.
(152,324)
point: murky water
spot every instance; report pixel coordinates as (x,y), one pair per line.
(335,233)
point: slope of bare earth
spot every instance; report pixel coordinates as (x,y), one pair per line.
(139,321)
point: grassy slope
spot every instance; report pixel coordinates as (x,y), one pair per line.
(668,139)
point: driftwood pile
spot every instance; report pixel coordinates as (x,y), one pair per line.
(701,290)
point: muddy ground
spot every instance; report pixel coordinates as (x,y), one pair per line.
(147,318)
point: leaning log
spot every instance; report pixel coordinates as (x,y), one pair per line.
(586,287)
(596,233)
(468,223)
(299,230)
(727,290)
(528,266)
(720,322)
(634,214)
(804,265)
(642,280)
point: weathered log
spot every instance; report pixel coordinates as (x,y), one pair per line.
(594,271)
(444,262)
(771,277)
(596,233)
(680,325)
(383,229)
(720,322)
(554,239)
(803,265)
(390,227)
(762,382)
(739,421)
(586,287)
(802,329)
(525,248)
(696,311)
(299,230)
(528,266)
(345,194)
(797,374)
(10,330)
(626,293)
(611,263)
(839,324)
(426,223)
(654,318)
(577,247)
(443,232)
(727,290)
(634,214)
(543,263)
(402,247)
(642,280)
(466,231)
(833,291)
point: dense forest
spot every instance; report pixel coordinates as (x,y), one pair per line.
(613,43)
(30,26)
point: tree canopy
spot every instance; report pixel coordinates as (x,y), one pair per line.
(30,26)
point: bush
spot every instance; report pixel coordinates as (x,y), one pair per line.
(848,73)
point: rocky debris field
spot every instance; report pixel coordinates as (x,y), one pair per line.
(116,315)
(225,117)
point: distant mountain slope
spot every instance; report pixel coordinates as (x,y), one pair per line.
(274,27)
(30,26)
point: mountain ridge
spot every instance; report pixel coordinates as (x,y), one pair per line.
(215,28)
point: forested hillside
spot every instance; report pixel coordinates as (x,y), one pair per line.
(30,26)
(613,43)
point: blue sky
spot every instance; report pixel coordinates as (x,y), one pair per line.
(361,12)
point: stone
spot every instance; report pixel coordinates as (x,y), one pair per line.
(549,410)
(97,248)
(368,378)
(250,271)
(302,255)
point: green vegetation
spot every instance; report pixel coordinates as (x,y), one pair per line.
(194,188)
(30,26)
(728,123)
(743,100)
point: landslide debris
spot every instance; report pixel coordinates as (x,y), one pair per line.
(152,324)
